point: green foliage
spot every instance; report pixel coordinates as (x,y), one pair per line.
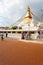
(14,27)
(20,27)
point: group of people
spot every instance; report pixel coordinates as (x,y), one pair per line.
(25,35)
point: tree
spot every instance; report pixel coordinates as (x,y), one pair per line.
(14,27)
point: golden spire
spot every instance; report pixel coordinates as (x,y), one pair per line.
(29,14)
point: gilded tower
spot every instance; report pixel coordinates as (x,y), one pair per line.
(28,13)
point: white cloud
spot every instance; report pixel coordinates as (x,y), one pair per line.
(12,9)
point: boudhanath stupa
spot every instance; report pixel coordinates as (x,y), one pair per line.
(28,22)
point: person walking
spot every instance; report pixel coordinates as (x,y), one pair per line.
(23,34)
(26,36)
(2,37)
(6,34)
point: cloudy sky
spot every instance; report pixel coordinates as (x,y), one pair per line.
(13,10)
